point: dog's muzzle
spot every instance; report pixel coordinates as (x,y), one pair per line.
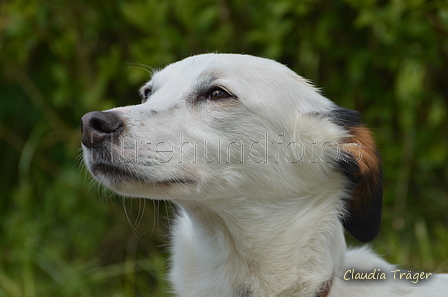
(96,126)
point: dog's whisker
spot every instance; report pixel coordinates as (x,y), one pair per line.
(141,211)
(146,68)
(131,224)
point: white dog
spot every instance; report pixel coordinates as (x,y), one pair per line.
(267,174)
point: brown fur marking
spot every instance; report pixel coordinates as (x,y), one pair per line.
(364,207)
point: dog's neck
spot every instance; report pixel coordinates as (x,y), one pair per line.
(247,247)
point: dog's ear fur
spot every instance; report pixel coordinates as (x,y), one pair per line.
(361,164)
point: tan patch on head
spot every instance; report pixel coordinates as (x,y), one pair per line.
(362,148)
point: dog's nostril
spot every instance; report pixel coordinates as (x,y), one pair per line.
(97,125)
(105,124)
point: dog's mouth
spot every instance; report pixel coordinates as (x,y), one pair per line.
(117,174)
(114,172)
(177,181)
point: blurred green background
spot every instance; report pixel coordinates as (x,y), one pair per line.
(63,235)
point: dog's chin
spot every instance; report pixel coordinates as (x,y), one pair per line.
(128,183)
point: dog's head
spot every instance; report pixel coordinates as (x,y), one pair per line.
(217,126)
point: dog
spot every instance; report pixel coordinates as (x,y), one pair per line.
(267,174)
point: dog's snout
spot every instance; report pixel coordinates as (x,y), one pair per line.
(97,125)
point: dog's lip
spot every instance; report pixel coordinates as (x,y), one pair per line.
(178,181)
(117,171)
(114,171)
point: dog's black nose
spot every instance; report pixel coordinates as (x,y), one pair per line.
(97,125)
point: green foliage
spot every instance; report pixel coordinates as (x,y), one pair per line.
(60,59)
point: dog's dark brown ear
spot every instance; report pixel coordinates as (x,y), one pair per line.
(361,164)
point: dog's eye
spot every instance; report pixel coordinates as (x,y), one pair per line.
(146,93)
(218,94)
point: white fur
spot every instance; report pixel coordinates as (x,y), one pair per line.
(261,215)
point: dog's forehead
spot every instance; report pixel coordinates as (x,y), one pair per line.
(200,67)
